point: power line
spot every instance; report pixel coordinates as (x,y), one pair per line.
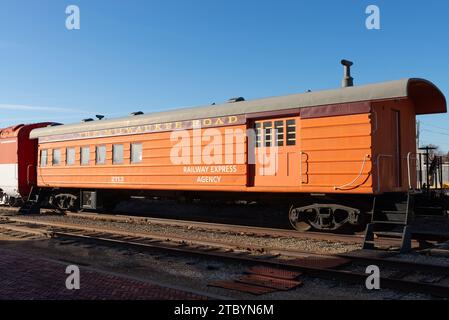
(436,132)
(433,126)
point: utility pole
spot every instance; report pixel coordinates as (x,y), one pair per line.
(418,154)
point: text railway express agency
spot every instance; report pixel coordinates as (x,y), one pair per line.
(210,170)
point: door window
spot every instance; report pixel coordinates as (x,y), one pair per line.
(291,132)
(280,133)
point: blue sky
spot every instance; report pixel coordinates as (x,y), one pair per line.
(155,55)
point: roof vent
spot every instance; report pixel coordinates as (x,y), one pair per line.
(238,99)
(88,120)
(137,113)
(99,116)
(348,81)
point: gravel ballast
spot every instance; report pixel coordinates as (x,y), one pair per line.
(305,245)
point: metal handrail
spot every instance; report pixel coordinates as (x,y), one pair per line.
(28,173)
(357,178)
(409,156)
(409,172)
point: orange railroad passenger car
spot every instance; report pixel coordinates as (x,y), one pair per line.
(335,150)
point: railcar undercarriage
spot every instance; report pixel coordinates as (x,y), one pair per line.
(6,200)
(325,217)
(325,213)
(332,213)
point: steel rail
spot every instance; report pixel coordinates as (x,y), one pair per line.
(76,229)
(207,250)
(220,227)
(238,229)
(232,229)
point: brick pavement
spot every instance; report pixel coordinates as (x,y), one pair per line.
(24,277)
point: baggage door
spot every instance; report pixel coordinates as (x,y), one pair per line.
(277,154)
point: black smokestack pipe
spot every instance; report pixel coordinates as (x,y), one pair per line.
(348,81)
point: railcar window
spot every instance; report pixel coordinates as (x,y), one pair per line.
(258,129)
(268,128)
(101,155)
(136,153)
(291,132)
(85,156)
(117,154)
(44,158)
(56,157)
(279,129)
(70,156)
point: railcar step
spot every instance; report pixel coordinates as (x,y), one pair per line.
(389,234)
(399,223)
(394,213)
(398,206)
(392,216)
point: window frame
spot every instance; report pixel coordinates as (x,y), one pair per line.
(97,163)
(291,142)
(53,164)
(279,133)
(67,156)
(131,158)
(258,134)
(88,156)
(268,134)
(122,160)
(41,164)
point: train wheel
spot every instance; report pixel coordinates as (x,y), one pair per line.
(13,202)
(324,217)
(64,202)
(300,220)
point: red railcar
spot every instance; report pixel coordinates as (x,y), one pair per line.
(18,161)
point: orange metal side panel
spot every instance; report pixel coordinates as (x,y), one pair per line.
(337,154)
(157,170)
(331,155)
